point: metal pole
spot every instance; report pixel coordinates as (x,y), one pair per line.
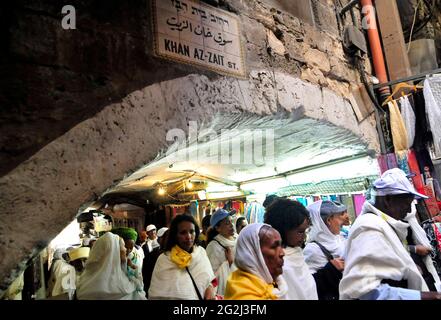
(349,6)
(411,78)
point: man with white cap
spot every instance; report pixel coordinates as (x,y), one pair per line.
(378,263)
(152,241)
(151,257)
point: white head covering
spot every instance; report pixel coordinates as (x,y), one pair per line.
(103,276)
(58,254)
(150,227)
(395,181)
(161,232)
(321,233)
(249,257)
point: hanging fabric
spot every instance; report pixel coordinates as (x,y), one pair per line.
(359,200)
(423,136)
(382,163)
(402,161)
(391,161)
(255,212)
(414,168)
(432,96)
(399,133)
(408,118)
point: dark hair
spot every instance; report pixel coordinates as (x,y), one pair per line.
(284,215)
(206,221)
(239,221)
(173,231)
(212,232)
(269,200)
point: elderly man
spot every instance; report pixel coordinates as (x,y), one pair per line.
(379,265)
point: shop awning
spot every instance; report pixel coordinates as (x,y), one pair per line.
(340,186)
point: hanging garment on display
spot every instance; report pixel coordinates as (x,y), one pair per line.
(382,163)
(398,129)
(402,161)
(424,159)
(302,201)
(415,170)
(238,206)
(423,136)
(359,200)
(255,212)
(391,161)
(432,96)
(408,118)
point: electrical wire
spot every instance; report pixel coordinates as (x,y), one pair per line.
(430,4)
(413,25)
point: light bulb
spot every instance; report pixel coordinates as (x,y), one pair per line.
(189,185)
(161,191)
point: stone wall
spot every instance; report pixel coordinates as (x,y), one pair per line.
(84,107)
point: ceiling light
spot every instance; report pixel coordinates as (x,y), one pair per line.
(161,191)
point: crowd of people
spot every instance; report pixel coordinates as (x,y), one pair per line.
(298,253)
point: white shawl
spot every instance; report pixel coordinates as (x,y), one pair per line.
(170,282)
(375,252)
(433,110)
(62,279)
(320,233)
(300,282)
(249,258)
(218,260)
(420,237)
(104,276)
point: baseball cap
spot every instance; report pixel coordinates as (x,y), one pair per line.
(220,215)
(161,232)
(395,181)
(329,208)
(150,227)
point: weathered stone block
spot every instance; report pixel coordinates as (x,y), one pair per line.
(316,58)
(325,17)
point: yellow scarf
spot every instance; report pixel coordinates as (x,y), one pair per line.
(181,257)
(242,285)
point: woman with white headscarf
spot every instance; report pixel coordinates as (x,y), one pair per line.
(325,249)
(104,276)
(259,259)
(292,220)
(183,271)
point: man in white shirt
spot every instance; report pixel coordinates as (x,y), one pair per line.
(152,241)
(378,263)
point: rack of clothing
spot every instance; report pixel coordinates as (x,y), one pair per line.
(414,120)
